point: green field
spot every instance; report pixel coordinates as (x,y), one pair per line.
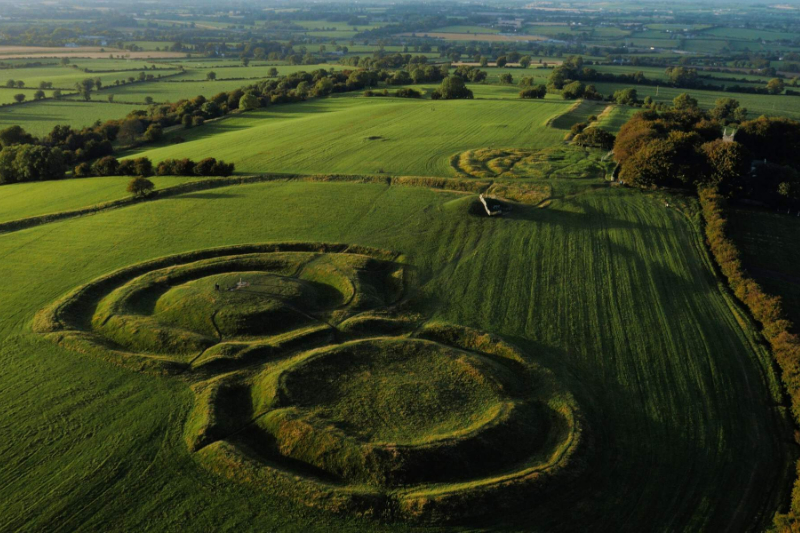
(579,112)
(757,105)
(367,135)
(39,118)
(398,314)
(613,117)
(645,341)
(66,78)
(170,91)
(22,200)
(768,242)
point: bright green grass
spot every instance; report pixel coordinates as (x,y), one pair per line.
(613,119)
(22,200)
(40,117)
(768,242)
(368,135)
(580,112)
(150,45)
(121,64)
(7,95)
(171,91)
(65,77)
(606,288)
(761,104)
(241,72)
(539,75)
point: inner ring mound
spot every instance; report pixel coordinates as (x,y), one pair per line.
(399,392)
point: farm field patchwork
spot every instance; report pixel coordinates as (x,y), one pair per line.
(422,308)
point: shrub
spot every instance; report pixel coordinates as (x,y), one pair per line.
(408,93)
(573,90)
(154,133)
(127,168)
(106,166)
(578,127)
(248,102)
(140,187)
(83,170)
(538,91)
(205,167)
(453,88)
(142,167)
(595,137)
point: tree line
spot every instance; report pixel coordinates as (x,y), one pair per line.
(683,147)
(571,74)
(766,309)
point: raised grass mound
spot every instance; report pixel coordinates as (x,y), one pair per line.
(221,305)
(439,426)
(554,162)
(312,381)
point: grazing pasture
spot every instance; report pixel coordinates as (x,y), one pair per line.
(40,117)
(606,289)
(23,200)
(367,135)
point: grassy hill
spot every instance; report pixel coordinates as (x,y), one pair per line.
(605,287)
(356,135)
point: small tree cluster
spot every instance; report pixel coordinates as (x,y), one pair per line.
(186,167)
(452,88)
(683,147)
(111,166)
(537,91)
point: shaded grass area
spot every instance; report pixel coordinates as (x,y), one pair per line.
(605,286)
(768,242)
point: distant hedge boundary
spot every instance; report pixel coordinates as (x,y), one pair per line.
(450,184)
(766,309)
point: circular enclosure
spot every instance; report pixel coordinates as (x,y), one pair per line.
(311,382)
